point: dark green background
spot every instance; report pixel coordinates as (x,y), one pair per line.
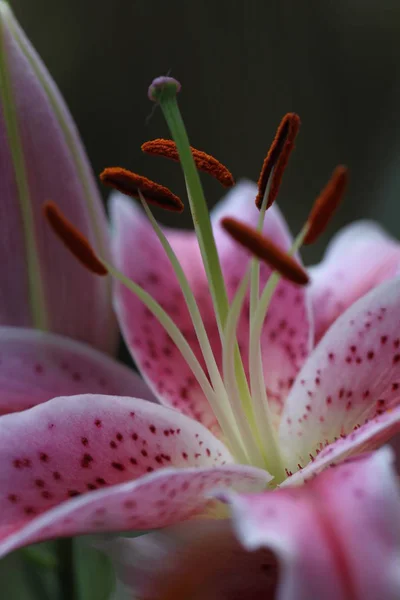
(243,64)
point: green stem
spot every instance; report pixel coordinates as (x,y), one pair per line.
(34,580)
(66,572)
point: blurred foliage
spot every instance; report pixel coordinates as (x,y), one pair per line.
(243,64)
(46,572)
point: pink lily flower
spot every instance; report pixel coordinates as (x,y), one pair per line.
(336,537)
(92,463)
(42,158)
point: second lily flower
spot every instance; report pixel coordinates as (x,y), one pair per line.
(42,158)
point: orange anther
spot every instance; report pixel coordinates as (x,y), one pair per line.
(204,162)
(277,158)
(129,183)
(265,250)
(73,239)
(326,204)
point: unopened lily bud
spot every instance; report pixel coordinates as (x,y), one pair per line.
(42,159)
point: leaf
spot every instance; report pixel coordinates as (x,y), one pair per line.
(93,572)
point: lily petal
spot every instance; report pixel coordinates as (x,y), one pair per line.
(75,445)
(352,375)
(42,284)
(287,334)
(360,257)
(152,501)
(37,366)
(372,435)
(286,338)
(139,254)
(336,537)
(175,564)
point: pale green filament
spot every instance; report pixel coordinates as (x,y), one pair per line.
(229,344)
(167,323)
(36,292)
(258,388)
(226,419)
(261,406)
(255,264)
(185,350)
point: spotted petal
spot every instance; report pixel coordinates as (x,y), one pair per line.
(286,335)
(139,254)
(369,436)
(352,375)
(98,448)
(359,258)
(336,537)
(37,366)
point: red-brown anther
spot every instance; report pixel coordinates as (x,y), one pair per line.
(204,162)
(326,204)
(73,239)
(265,250)
(129,183)
(277,158)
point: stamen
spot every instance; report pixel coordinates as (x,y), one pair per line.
(326,204)
(248,434)
(258,387)
(277,158)
(266,250)
(73,239)
(81,249)
(129,183)
(221,408)
(204,162)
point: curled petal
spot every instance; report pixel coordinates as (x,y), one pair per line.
(358,259)
(336,537)
(166,497)
(37,366)
(372,435)
(352,376)
(82,464)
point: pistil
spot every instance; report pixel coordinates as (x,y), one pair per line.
(164,91)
